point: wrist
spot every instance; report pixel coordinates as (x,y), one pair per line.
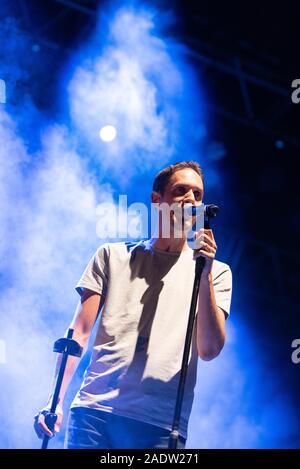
(206,277)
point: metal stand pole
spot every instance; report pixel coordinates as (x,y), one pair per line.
(210,211)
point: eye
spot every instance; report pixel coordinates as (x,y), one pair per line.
(180,190)
(198,195)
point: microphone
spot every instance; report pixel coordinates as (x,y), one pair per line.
(209,211)
(203,215)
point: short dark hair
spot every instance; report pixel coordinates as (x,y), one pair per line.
(162,178)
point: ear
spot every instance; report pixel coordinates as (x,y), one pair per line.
(155,197)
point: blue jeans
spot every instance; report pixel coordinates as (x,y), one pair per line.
(95,429)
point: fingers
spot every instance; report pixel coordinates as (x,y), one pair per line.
(204,240)
(209,233)
(205,245)
(203,253)
(42,429)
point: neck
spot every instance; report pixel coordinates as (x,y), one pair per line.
(169,244)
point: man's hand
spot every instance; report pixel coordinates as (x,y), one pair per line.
(40,426)
(206,247)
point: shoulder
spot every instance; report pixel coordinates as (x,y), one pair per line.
(221,270)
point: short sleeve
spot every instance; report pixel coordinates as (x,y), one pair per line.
(222,282)
(95,276)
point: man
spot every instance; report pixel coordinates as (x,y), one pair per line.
(128,394)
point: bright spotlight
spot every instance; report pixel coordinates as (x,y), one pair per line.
(108,133)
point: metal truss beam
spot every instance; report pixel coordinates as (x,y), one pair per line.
(247,74)
(76,6)
(249,117)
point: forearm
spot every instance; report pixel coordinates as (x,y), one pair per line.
(210,321)
(71,367)
(82,324)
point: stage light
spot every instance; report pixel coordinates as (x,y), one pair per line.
(108,133)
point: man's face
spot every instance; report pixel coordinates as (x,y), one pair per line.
(184,187)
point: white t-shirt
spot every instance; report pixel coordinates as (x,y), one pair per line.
(137,353)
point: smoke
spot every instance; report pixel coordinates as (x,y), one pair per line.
(138,84)
(46,237)
(49,191)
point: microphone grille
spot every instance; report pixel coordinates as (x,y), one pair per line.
(211,210)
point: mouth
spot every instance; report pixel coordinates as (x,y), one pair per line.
(184,219)
(188,211)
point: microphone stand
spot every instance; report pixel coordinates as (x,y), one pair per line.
(209,211)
